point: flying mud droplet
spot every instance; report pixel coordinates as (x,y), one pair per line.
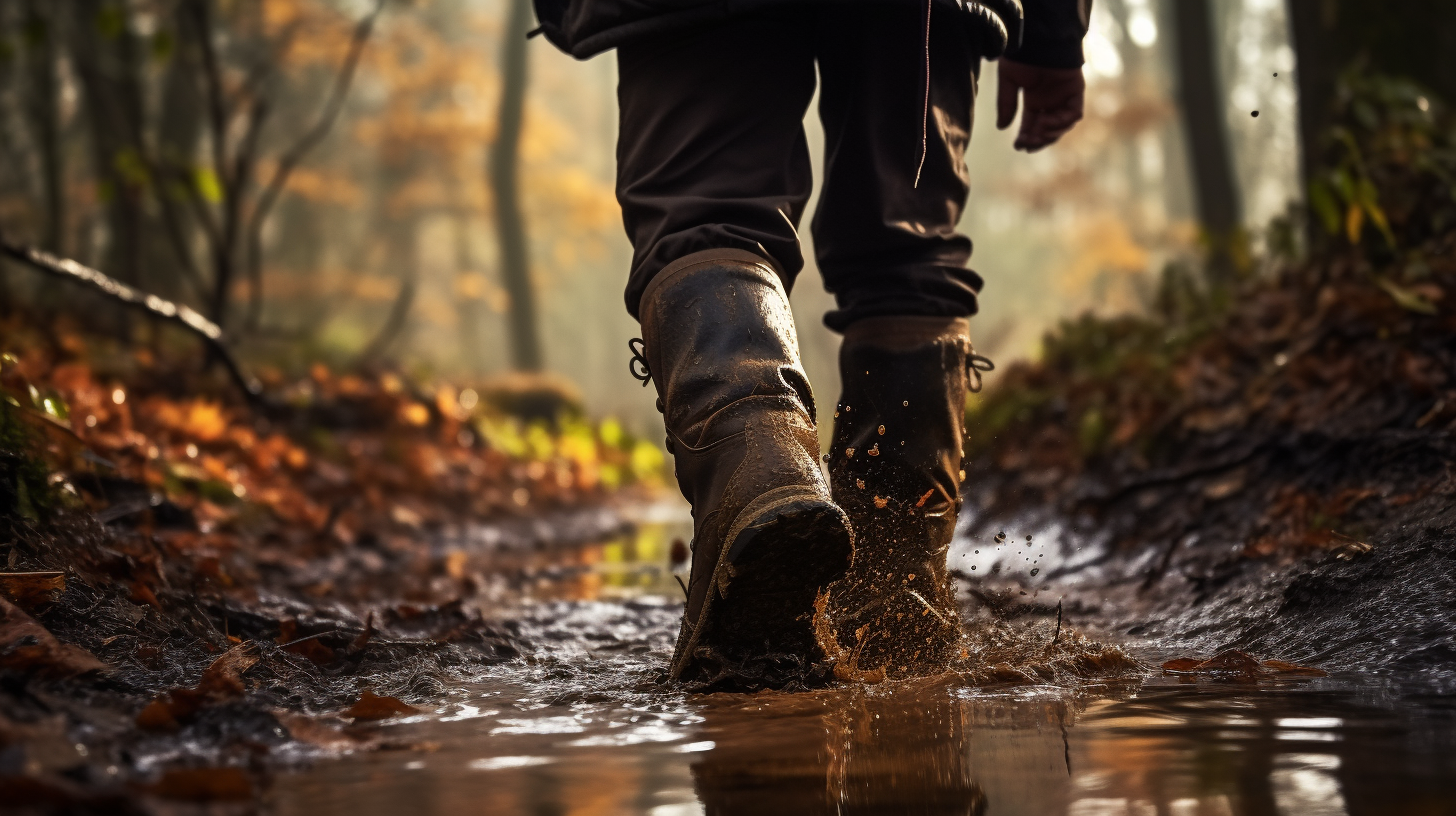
(1254,114)
(881,502)
(874,449)
(973,566)
(1028,538)
(906,403)
(1001,537)
(859,483)
(882,430)
(679,554)
(849,452)
(1276,73)
(1035,571)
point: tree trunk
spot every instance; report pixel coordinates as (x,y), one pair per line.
(1414,39)
(43,22)
(1201,104)
(504,158)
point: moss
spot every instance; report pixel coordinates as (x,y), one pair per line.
(24,490)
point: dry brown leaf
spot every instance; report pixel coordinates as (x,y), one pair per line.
(32,590)
(221,681)
(27,646)
(1285,667)
(1182,665)
(374,707)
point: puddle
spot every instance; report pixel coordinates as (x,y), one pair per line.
(581,727)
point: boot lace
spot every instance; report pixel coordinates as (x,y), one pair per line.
(975,365)
(638,364)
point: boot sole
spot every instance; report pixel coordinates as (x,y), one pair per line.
(784,548)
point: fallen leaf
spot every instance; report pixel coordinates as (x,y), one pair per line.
(26,646)
(1182,665)
(1230,662)
(321,734)
(1285,667)
(374,707)
(32,590)
(220,682)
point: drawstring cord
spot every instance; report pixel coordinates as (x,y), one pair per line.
(925,108)
(975,364)
(638,364)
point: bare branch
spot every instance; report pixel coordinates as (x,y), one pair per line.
(290,159)
(182,315)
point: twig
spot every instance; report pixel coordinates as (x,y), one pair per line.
(290,160)
(1059,622)
(185,316)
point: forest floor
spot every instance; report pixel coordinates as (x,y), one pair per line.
(195,593)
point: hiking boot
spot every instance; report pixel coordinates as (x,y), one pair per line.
(895,467)
(719,343)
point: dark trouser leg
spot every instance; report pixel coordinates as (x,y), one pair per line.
(884,245)
(711,153)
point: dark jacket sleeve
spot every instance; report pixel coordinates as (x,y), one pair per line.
(1052,33)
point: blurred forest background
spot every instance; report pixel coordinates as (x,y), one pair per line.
(412,183)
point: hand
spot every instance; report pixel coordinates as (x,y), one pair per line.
(1053,102)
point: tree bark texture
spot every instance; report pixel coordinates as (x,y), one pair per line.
(1414,39)
(1201,105)
(525,333)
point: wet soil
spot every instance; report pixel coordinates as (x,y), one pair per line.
(538,687)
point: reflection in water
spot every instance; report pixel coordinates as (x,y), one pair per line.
(931,748)
(581,727)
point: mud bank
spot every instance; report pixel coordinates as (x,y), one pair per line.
(1376,601)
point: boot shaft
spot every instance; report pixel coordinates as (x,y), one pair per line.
(717,328)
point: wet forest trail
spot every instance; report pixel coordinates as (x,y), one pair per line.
(580,723)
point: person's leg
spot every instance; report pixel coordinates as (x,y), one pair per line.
(713,176)
(711,152)
(885,244)
(890,252)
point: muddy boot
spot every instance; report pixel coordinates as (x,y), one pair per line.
(895,466)
(719,343)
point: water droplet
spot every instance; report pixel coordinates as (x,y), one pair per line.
(1255,114)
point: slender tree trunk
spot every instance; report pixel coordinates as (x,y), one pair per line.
(525,335)
(1201,104)
(43,21)
(467,304)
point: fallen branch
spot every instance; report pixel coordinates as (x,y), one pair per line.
(185,316)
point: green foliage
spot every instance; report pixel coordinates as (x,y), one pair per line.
(24,490)
(1390,164)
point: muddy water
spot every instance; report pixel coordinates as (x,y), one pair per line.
(582,727)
